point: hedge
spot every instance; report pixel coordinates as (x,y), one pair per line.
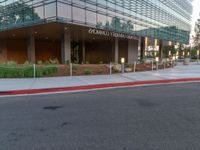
(26,71)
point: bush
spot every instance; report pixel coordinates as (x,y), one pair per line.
(25,71)
(100,71)
(87,72)
(39,62)
(16,72)
(75,67)
(54,61)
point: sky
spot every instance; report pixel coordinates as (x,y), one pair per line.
(196,11)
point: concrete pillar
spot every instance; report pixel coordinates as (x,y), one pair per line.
(66,47)
(83,52)
(116,50)
(160,49)
(142,48)
(31,49)
(132,51)
(3,51)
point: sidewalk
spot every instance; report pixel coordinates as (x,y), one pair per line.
(179,73)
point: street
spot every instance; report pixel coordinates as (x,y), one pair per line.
(161,117)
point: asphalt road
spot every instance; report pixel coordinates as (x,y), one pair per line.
(164,117)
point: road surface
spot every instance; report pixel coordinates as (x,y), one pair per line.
(164,117)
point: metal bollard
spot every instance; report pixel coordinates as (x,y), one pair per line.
(172,64)
(157,65)
(110,68)
(34,71)
(71,69)
(135,65)
(164,65)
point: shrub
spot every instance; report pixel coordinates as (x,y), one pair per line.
(75,67)
(45,71)
(27,63)
(67,62)
(47,62)
(87,62)
(39,62)
(26,71)
(87,72)
(54,61)
(100,71)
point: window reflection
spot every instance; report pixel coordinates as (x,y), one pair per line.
(154,18)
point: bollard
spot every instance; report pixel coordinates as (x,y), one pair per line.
(34,71)
(122,67)
(157,61)
(152,65)
(164,65)
(71,69)
(122,64)
(135,65)
(172,64)
(110,68)
(157,65)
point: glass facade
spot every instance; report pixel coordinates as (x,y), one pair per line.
(160,19)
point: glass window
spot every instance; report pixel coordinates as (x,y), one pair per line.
(91,17)
(78,14)
(50,10)
(64,10)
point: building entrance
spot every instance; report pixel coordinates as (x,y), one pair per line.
(76,52)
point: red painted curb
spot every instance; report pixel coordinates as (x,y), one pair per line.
(90,87)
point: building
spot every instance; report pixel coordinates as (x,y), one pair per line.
(90,30)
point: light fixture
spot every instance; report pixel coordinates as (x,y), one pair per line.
(174,58)
(65,28)
(35,32)
(198,52)
(122,60)
(157,59)
(170,53)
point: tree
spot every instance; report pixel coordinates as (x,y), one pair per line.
(17,13)
(168,48)
(197,34)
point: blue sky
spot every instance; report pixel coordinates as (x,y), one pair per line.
(196,11)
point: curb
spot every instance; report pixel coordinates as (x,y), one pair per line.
(93,87)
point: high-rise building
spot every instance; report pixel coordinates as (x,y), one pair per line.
(90,30)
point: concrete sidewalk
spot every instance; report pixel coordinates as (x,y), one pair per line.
(179,72)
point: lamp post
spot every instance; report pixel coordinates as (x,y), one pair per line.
(122,64)
(157,60)
(198,56)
